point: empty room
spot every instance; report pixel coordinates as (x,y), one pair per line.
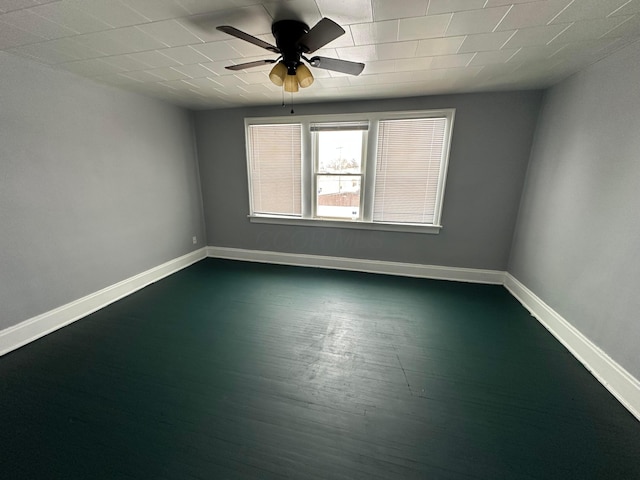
(319,239)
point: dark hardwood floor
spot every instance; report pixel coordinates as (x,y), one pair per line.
(231,370)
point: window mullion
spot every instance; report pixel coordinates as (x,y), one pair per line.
(369,171)
(308,169)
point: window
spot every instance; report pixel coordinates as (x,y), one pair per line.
(382,171)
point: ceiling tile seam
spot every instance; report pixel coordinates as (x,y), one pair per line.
(27,33)
(471,59)
(448,25)
(560,12)
(617,26)
(28,7)
(192,32)
(561,32)
(502,19)
(152,36)
(513,55)
(619,8)
(508,39)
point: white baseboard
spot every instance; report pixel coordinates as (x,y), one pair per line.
(615,378)
(494,277)
(41,325)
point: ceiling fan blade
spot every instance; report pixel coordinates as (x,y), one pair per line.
(336,65)
(243,66)
(247,38)
(323,32)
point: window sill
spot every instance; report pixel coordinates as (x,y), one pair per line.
(357,225)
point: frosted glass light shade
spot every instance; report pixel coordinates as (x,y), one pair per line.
(278,74)
(304,76)
(291,83)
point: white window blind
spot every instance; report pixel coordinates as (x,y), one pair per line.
(275,158)
(409,158)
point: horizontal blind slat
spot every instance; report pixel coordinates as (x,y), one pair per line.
(275,162)
(409,158)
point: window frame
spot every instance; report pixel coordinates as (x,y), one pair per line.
(368,174)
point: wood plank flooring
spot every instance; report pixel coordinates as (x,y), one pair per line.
(232,370)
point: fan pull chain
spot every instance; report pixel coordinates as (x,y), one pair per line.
(292,112)
(283,105)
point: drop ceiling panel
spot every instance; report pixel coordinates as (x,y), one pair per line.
(170,49)
(432,26)
(386,10)
(476,21)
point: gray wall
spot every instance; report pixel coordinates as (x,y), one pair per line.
(577,244)
(491,144)
(96,185)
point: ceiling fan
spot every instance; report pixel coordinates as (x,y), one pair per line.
(294,41)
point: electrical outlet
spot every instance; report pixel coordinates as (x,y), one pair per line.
(195,239)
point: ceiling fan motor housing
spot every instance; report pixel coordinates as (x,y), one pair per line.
(287,34)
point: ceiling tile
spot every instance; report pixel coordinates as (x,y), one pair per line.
(386,10)
(588,9)
(254,20)
(74,47)
(104,42)
(304,10)
(11,36)
(135,39)
(218,67)
(170,32)
(451,61)
(439,46)
(11,5)
(379,66)
(362,53)
(531,14)
(141,76)
(167,73)
(36,25)
(246,49)
(155,10)
(126,63)
(490,58)
(396,50)
(628,8)
(423,27)
(630,28)
(185,55)
(376,32)
(476,21)
(413,64)
(450,6)
(154,59)
(72,18)
(482,42)
(538,52)
(589,29)
(526,37)
(194,71)
(217,50)
(43,52)
(195,7)
(346,12)
(112,12)
(90,68)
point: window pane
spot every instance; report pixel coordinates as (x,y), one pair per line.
(338,196)
(340,151)
(275,160)
(409,158)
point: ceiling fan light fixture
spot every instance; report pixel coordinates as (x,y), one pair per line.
(278,74)
(304,76)
(291,83)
